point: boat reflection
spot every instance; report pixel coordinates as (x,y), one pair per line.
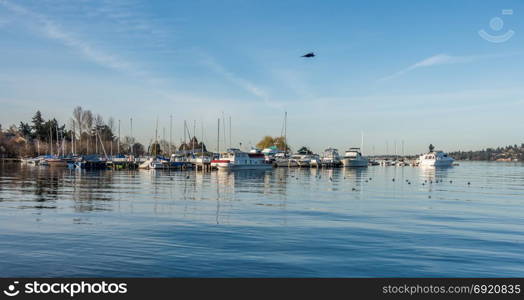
(44,188)
(430,175)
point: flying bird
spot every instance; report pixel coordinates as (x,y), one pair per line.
(310,54)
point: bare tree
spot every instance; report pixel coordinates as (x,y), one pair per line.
(87,122)
(99,121)
(78,115)
(111,124)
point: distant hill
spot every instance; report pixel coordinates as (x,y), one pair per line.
(508,153)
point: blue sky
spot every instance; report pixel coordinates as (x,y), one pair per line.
(412,71)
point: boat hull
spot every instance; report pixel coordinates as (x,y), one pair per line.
(57,163)
(286,163)
(229,166)
(354,163)
(437,163)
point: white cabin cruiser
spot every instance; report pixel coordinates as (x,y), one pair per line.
(234,159)
(353,158)
(436,159)
(330,157)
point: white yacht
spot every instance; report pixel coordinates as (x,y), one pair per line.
(353,158)
(315,161)
(235,159)
(201,160)
(436,159)
(330,157)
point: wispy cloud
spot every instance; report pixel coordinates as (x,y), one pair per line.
(51,29)
(243,83)
(436,60)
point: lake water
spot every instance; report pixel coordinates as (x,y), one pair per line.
(277,223)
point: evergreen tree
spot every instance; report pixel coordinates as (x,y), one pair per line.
(39,130)
(25,130)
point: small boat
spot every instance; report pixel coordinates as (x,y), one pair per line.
(301,160)
(158,165)
(57,162)
(353,158)
(234,159)
(435,159)
(90,162)
(374,163)
(387,163)
(43,162)
(30,161)
(146,164)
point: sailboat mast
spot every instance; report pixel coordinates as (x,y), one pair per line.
(131,134)
(118,144)
(73,139)
(229,131)
(51,139)
(191,139)
(156,130)
(57,145)
(170,133)
(224,129)
(362,141)
(185,127)
(218,136)
(285,132)
(395,149)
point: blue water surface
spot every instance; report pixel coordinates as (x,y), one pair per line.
(372,222)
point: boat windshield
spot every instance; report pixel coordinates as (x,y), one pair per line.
(352,154)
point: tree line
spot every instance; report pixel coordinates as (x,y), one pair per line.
(513,152)
(85,133)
